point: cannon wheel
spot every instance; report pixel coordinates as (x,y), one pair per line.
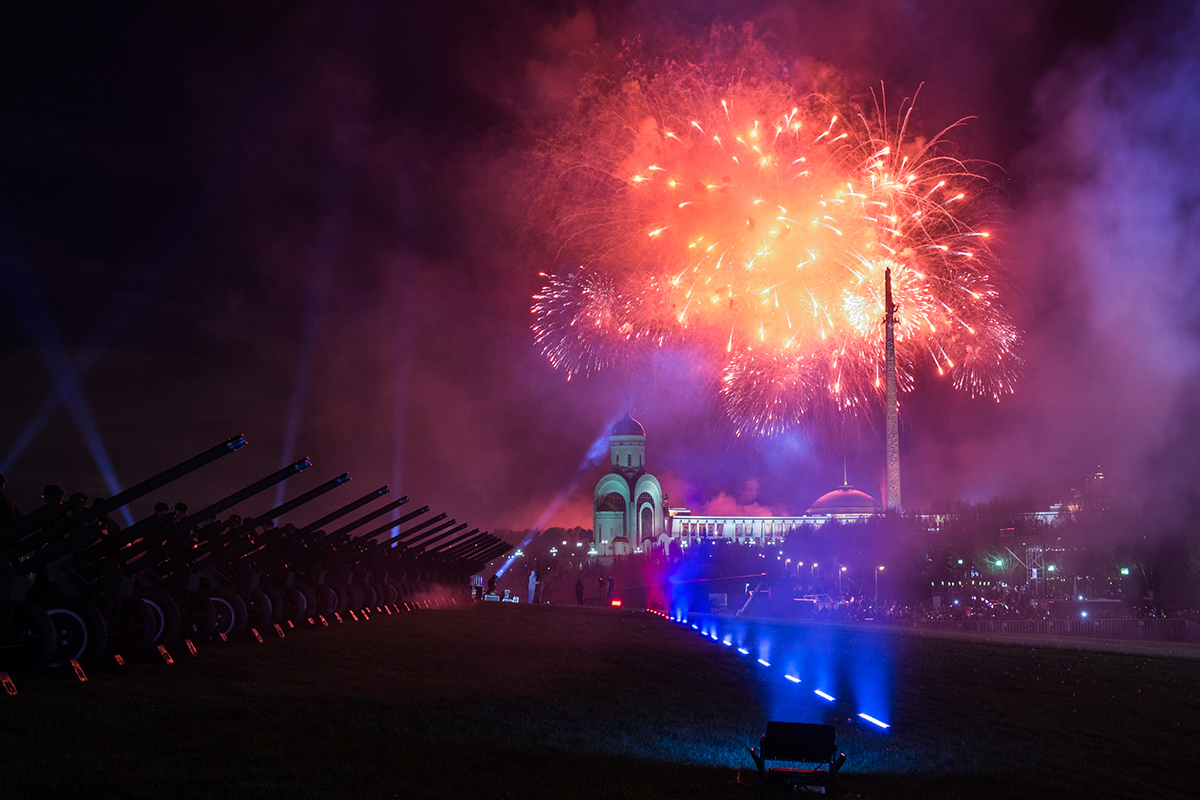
(231,614)
(79,631)
(276,604)
(259,609)
(131,627)
(341,600)
(326,599)
(354,596)
(376,596)
(165,613)
(26,637)
(198,617)
(300,602)
(387,593)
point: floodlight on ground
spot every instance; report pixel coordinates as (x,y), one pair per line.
(616,604)
(743,651)
(764,663)
(874,721)
(828,697)
(798,743)
(792,678)
(695,627)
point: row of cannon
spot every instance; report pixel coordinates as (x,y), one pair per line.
(75,587)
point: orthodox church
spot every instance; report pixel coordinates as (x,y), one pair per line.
(628,501)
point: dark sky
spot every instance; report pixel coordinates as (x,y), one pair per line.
(296,221)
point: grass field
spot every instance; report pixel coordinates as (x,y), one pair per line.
(507,701)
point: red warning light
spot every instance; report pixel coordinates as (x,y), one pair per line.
(616,603)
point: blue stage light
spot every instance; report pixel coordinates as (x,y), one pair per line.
(828,697)
(874,721)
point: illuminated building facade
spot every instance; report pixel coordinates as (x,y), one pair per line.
(627,506)
(844,503)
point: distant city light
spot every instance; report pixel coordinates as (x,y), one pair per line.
(999,563)
(874,721)
(1083,614)
(1124,570)
(1050,568)
(819,693)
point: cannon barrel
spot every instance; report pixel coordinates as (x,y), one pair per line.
(211,511)
(464,546)
(167,476)
(47,514)
(388,526)
(311,494)
(484,554)
(376,514)
(219,534)
(346,509)
(424,535)
(424,546)
(445,546)
(476,562)
(396,540)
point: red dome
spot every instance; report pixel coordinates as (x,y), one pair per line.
(845,500)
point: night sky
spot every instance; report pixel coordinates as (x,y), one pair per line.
(301,222)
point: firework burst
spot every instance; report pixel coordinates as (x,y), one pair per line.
(758,224)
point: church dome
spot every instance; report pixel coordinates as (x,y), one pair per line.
(845,500)
(628,426)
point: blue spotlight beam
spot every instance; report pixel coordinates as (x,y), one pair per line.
(594,454)
(329,234)
(30,304)
(114,321)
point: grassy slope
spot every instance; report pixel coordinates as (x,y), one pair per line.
(519,701)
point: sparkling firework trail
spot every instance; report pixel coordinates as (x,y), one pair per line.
(760,226)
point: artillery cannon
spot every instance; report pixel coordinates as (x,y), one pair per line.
(41,544)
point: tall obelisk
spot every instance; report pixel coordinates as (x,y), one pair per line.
(893,426)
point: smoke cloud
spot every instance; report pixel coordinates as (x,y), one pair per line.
(388,143)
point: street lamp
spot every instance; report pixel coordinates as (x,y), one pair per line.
(840,571)
(877,571)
